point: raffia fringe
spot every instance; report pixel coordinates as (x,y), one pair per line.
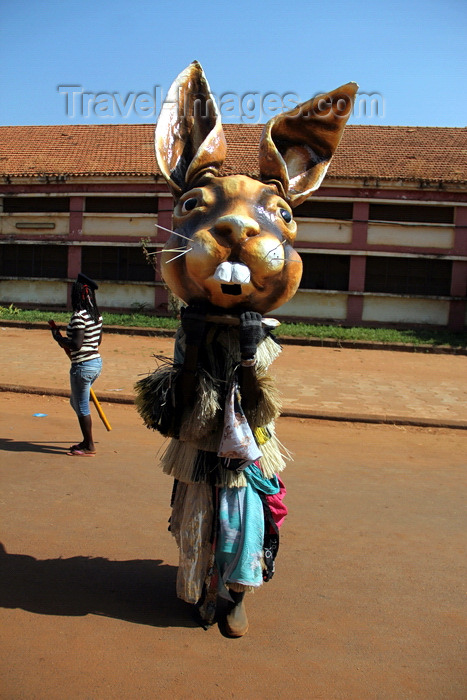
(155,402)
(155,385)
(266,353)
(269,405)
(180,461)
(199,422)
(274,456)
(154,398)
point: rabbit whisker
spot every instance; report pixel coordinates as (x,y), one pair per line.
(180,255)
(281,243)
(169,250)
(169,230)
(182,236)
(284,259)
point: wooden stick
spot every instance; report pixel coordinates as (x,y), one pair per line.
(226,319)
(99,409)
(230,320)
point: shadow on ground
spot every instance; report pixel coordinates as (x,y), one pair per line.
(140,590)
(9,445)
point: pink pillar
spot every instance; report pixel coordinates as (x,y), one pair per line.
(164,218)
(460,231)
(75,232)
(74,267)
(356,284)
(360,224)
(457,307)
(76,217)
(357,262)
(354,309)
(357,273)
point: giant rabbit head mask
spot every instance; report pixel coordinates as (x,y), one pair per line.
(233,235)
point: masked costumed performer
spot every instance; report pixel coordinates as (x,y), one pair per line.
(83,337)
(231,260)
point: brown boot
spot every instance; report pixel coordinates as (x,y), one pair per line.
(236,623)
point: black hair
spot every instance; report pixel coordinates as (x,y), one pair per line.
(83,298)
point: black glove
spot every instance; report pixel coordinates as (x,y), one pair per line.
(194,323)
(251,333)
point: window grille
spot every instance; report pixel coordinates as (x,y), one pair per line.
(325,210)
(39,205)
(33,260)
(419,276)
(411,213)
(323,271)
(116,263)
(121,205)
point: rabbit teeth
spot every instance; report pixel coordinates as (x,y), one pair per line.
(233,273)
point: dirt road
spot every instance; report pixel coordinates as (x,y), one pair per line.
(314,381)
(368,600)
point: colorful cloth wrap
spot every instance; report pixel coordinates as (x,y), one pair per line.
(237,442)
(239,550)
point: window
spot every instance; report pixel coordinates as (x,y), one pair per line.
(39,205)
(411,213)
(325,271)
(116,263)
(33,260)
(121,205)
(325,210)
(408,276)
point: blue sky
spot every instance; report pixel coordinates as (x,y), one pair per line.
(408,57)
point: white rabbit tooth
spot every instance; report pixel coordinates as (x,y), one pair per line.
(223,272)
(240,273)
(235,273)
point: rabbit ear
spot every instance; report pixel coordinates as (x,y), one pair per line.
(296,147)
(189,135)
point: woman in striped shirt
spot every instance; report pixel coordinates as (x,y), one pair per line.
(84,335)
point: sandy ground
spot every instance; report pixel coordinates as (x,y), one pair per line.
(329,382)
(368,601)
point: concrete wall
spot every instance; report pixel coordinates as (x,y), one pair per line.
(411,235)
(21,224)
(316,305)
(377,309)
(323,231)
(138,225)
(45,292)
(112,295)
(396,310)
(54,293)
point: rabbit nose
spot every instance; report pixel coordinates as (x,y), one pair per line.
(236,228)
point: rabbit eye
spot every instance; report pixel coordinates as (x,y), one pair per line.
(286,215)
(189,204)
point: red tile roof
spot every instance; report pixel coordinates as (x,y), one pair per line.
(383,152)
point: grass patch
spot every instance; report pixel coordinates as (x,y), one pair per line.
(139,320)
(412,336)
(409,336)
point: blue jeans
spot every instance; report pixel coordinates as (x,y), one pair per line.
(82,376)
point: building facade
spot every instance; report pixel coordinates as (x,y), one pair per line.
(383,241)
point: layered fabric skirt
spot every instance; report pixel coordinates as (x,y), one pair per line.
(221,534)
